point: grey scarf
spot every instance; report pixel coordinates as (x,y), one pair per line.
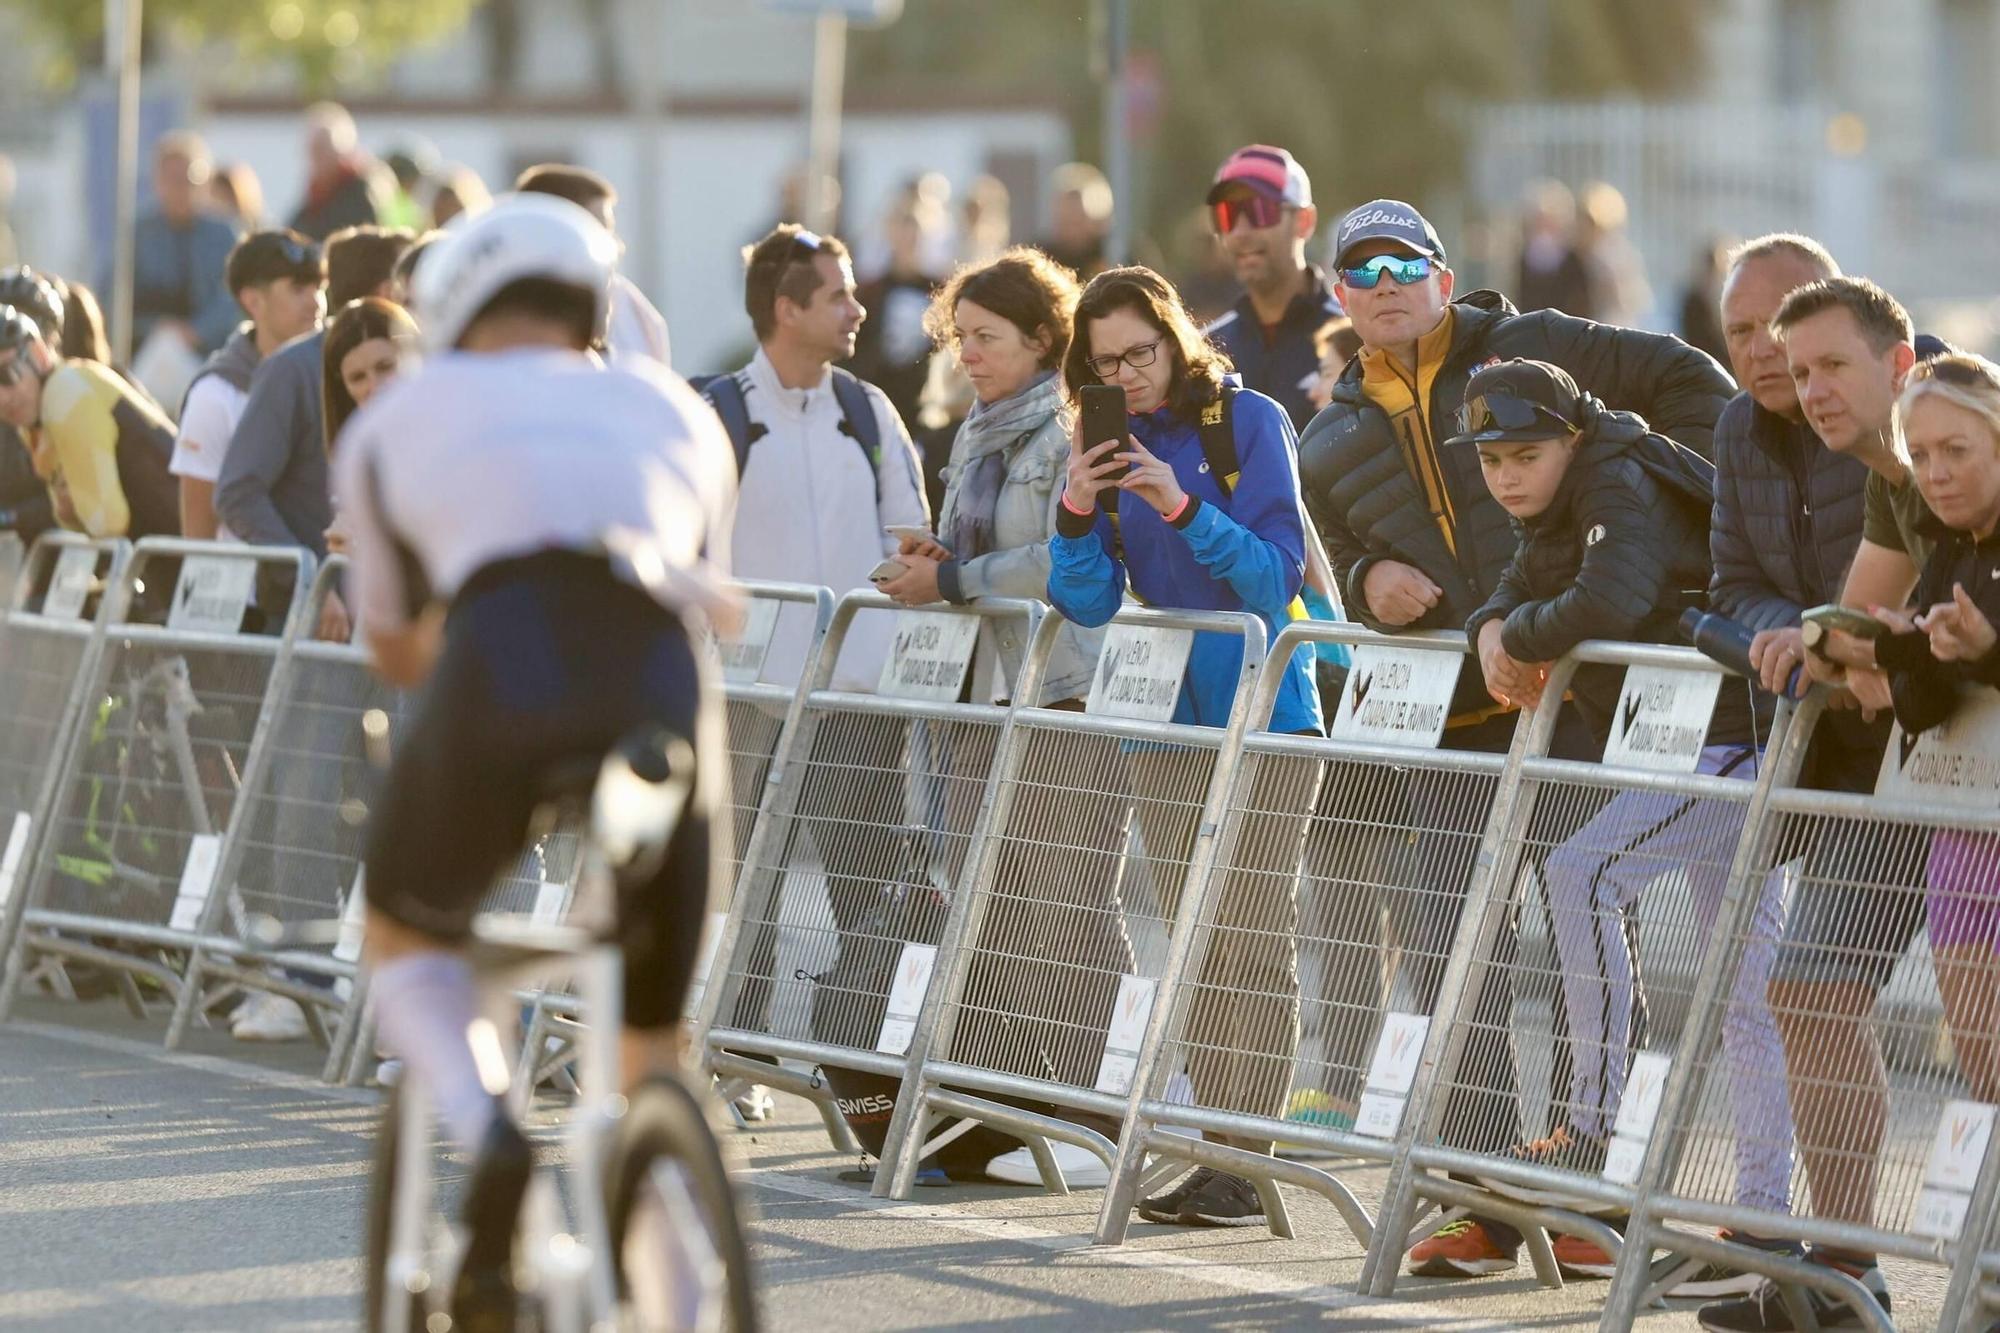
(992,431)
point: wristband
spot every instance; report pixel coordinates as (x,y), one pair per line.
(1080,513)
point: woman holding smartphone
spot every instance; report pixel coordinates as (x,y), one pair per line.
(1948,431)
(1156,513)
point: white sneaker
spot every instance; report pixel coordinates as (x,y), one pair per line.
(1080,1167)
(268,1017)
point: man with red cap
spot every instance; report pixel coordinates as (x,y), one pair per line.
(1262,210)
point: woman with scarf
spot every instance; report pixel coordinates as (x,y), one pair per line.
(1053,943)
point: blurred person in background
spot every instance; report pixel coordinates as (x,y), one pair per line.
(279,279)
(1261,208)
(367,345)
(942,407)
(1202,272)
(83,334)
(179,251)
(1550,274)
(1335,343)
(235,194)
(636,327)
(404,275)
(344,186)
(412,167)
(985,220)
(459,190)
(893,350)
(1701,302)
(1613,268)
(1191,536)
(274,488)
(1080,219)
(25,507)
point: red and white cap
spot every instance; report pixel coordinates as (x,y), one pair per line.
(1271,172)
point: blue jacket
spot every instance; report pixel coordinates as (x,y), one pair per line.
(1245,552)
(177,273)
(1284,365)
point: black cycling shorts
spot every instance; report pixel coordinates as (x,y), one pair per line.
(548,660)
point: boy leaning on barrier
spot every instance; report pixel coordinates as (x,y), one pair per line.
(1611,522)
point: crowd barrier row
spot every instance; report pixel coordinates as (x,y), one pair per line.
(1081,922)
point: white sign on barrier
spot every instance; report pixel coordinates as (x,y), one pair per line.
(197,878)
(10,859)
(212,594)
(743,656)
(906,998)
(1955,764)
(1640,1107)
(70,584)
(1661,722)
(1391,1074)
(711,941)
(550,899)
(1397,696)
(1964,1131)
(1127,1033)
(353,929)
(929,657)
(1139,673)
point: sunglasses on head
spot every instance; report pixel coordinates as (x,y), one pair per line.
(1258,210)
(1495,411)
(1955,370)
(1405,269)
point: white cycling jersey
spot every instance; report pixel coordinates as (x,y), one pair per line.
(482,457)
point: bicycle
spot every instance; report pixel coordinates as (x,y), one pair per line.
(648,1184)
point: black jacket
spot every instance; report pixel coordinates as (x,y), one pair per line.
(25,508)
(1284,367)
(1367,506)
(1619,553)
(1926,690)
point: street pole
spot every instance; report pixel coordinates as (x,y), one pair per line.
(650,124)
(1118,130)
(123,24)
(823,132)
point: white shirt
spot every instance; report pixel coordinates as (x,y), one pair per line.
(810,511)
(208,419)
(637,329)
(480,457)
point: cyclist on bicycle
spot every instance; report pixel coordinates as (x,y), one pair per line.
(528,530)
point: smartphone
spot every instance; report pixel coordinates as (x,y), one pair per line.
(1847,620)
(910,532)
(1103,412)
(888,569)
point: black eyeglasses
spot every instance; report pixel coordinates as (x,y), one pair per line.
(1145,354)
(1493,410)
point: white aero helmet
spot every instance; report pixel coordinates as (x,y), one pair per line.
(521,236)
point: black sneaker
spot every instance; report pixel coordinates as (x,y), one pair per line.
(1167,1207)
(1711,1280)
(482,1300)
(1764,1310)
(1565,1150)
(1223,1201)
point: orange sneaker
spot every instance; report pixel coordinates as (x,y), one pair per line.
(1460,1249)
(1579,1258)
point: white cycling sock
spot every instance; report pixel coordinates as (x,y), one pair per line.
(424,1004)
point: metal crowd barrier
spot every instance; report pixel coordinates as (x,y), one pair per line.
(1073,889)
(10,565)
(886,792)
(1873,860)
(173,708)
(55,617)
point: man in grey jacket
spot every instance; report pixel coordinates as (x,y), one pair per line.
(274,489)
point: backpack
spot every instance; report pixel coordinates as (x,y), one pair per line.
(725,393)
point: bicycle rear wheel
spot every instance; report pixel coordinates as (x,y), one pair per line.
(667,1128)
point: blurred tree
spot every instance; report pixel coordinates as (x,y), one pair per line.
(1370,97)
(327,40)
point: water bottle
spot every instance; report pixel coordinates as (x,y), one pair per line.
(1722,640)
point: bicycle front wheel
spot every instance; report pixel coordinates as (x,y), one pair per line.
(666,1174)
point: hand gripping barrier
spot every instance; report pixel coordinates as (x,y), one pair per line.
(1868,876)
(175,709)
(1316,841)
(53,633)
(1073,886)
(885,794)
(1600,886)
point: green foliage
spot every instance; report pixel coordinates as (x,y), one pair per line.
(1366,93)
(327,40)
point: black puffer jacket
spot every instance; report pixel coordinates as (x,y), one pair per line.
(1367,505)
(1926,691)
(1619,553)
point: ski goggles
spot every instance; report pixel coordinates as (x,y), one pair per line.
(1493,414)
(1405,269)
(1259,210)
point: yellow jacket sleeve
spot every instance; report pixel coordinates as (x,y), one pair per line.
(80,435)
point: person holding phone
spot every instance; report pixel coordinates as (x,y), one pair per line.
(1158,511)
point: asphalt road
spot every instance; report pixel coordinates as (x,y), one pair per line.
(221,1188)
